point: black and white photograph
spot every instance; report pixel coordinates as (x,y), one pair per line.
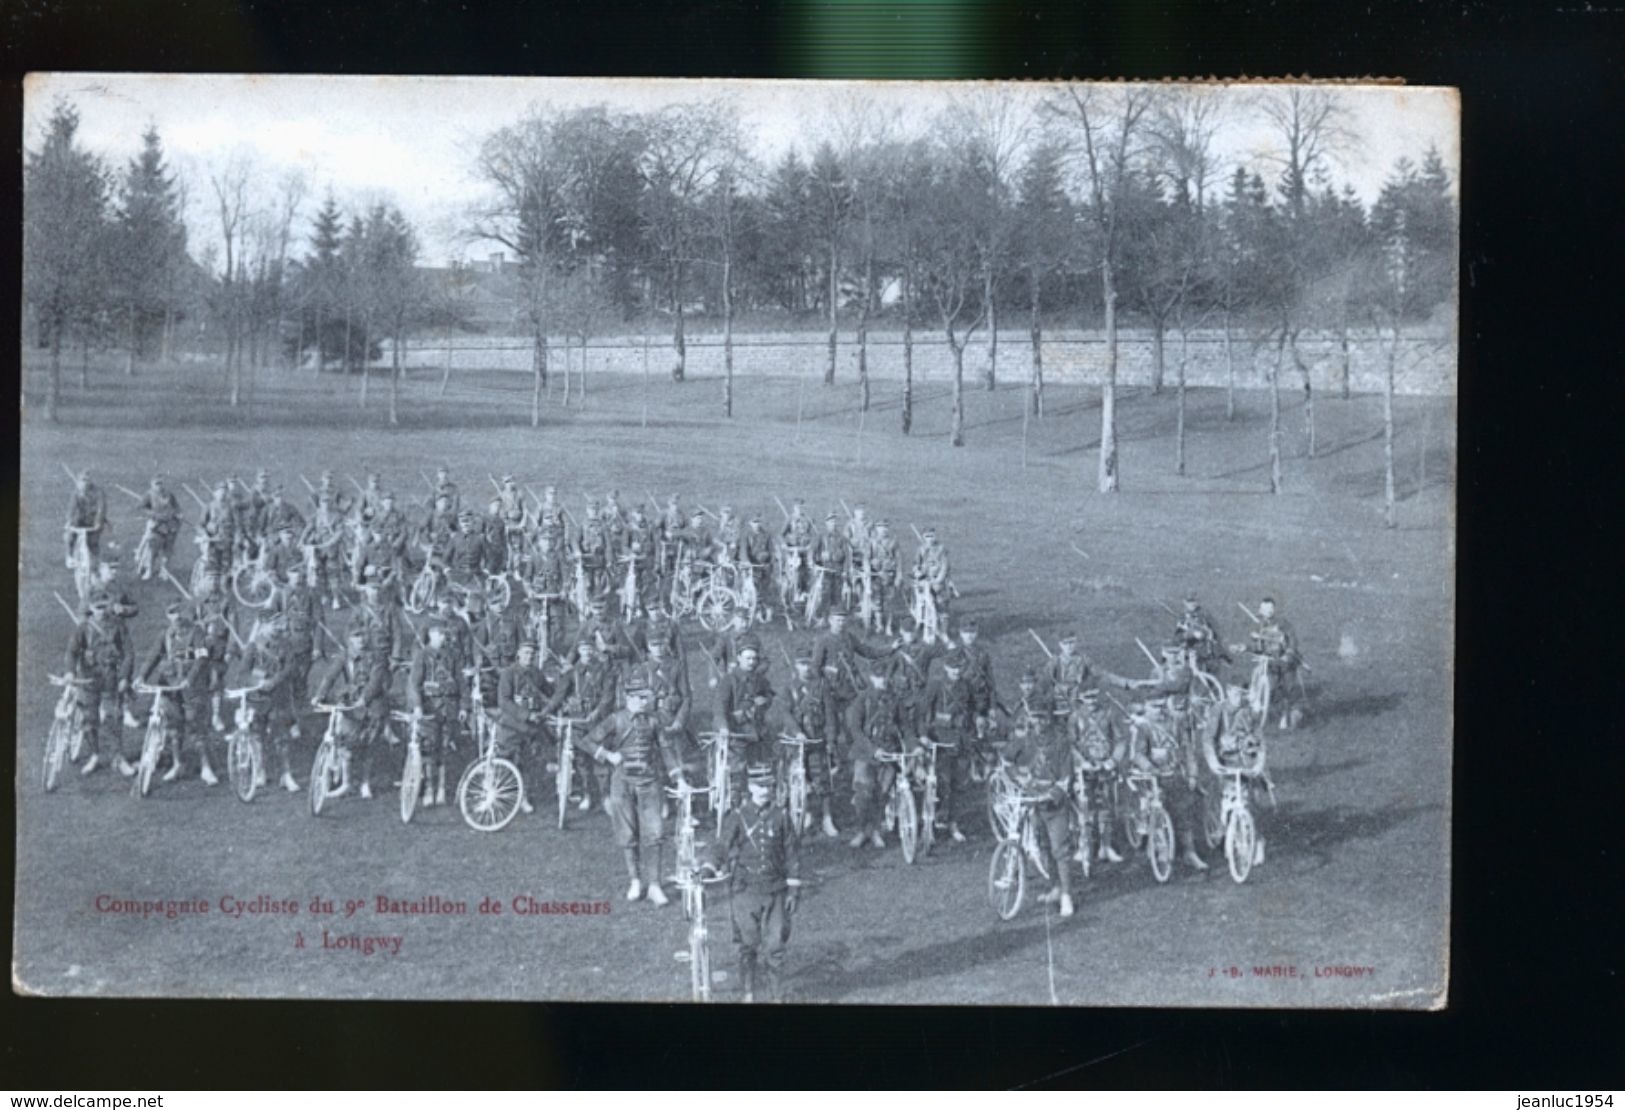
(737,541)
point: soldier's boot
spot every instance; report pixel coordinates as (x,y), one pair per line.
(747,976)
(440,784)
(1188,844)
(634,890)
(775,982)
(174,771)
(289,783)
(1258,852)
(1107,852)
(206,772)
(427,798)
(214,704)
(830,830)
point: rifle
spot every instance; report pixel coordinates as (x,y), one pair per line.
(72,477)
(782,509)
(788,662)
(127,491)
(359,488)
(73,616)
(652,502)
(336,641)
(1169,608)
(308,487)
(847,510)
(916,531)
(1155,662)
(426,482)
(236,639)
(202,504)
(1080,551)
(177,582)
(1049,654)
(1250,615)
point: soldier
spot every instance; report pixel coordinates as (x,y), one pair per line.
(1041,757)
(177,660)
(87,510)
(389,524)
(586,692)
(99,655)
(219,527)
(632,741)
(549,581)
(1171,684)
(593,550)
(725,544)
(300,612)
(214,614)
(798,537)
(1234,741)
(1197,632)
(324,532)
(858,532)
(493,532)
(948,716)
(466,553)
(875,723)
(522,694)
(978,672)
(1034,707)
(1101,751)
(352,682)
(761,851)
(550,518)
(831,556)
(163,524)
(444,489)
(381,637)
(886,576)
(835,657)
(671,698)
(372,499)
(742,707)
(110,579)
(437,694)
(931,568)
(1067,673)
(696,540)
(812,716)
(756,559)
(909,671)
(510,495)
(282,554)
(1274,638)
(267,664)
(281,514)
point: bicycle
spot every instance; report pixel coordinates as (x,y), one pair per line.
(795,779)
(253,585)
(492,791)
(928,807)
(67,734)
(1007,871)
(901,811)
(80,562)
(687,847)
(564,728)
(329,771)
(245,762)
(1091,775)
(146,552)
(152,741)
(425,589)
(412,768)
(698,955)
(924,611)
(720,788)
(1149,822)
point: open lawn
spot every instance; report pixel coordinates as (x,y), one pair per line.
(1358,867)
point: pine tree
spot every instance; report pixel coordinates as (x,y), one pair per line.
(149,240)
(322,276)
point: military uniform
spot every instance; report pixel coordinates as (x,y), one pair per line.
(267,664)
(874,722)
(763,853)
(87,508)
(98,651)
(586,692)
(813,714)
(1100,751)
(164,519)
(743,701)
(1196,631)
(522,694)
(948,716)
(636,785)
(436,691)
(835,657)
(1042,758)
(177,660)
(831,556)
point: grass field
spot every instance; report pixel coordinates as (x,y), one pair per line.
(1358,869)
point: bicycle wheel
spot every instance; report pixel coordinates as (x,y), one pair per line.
(798,793)
(498,592)
(908,820)
(562,781)
(411,780)
(56,747)
(1007,879)
(242,766)
(253,587)
(490,794)
(928,817)
(422,593)
(998,794)
(1240,843)
(200,571)
(1258,692)
(1088,837)
(1160,844)
(320,768)
(718,606)
(76,736)
(151,746)
(1212,820)
(1134,827)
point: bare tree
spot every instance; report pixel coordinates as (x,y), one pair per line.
(864,133)
(230,182)
(1106,126)
(951,270)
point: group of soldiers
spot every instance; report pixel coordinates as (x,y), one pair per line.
(849,699)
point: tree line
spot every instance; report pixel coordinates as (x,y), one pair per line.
(1085,203)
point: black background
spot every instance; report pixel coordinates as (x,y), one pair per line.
(1534,992)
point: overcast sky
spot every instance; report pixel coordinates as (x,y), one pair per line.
(411,140)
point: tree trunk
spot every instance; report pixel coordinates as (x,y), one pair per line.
(958,436)
(1230,368)
(568,381)
(1390,516)
(645,371)
(581,367)
(1157,365)
(445,377)
(679,368)
(538,376)
(395,380)
(863,335)
(345,356)
(129,350)
(1308,396)
(992,331)
(834,292)
(53,389)
(1343,343)
(727,337)
(1275,412)
(1179,433)
(84,361)
(164,339)
(366,360)
(1037,404)
(908,359)
(1107,477)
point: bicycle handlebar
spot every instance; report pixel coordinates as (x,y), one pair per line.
(798,741)
(67,680)
(324,708)
(143,688)
(242,692)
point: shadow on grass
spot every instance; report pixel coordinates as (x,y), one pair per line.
(1304,836)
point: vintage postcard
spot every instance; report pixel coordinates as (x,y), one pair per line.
(856,543)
